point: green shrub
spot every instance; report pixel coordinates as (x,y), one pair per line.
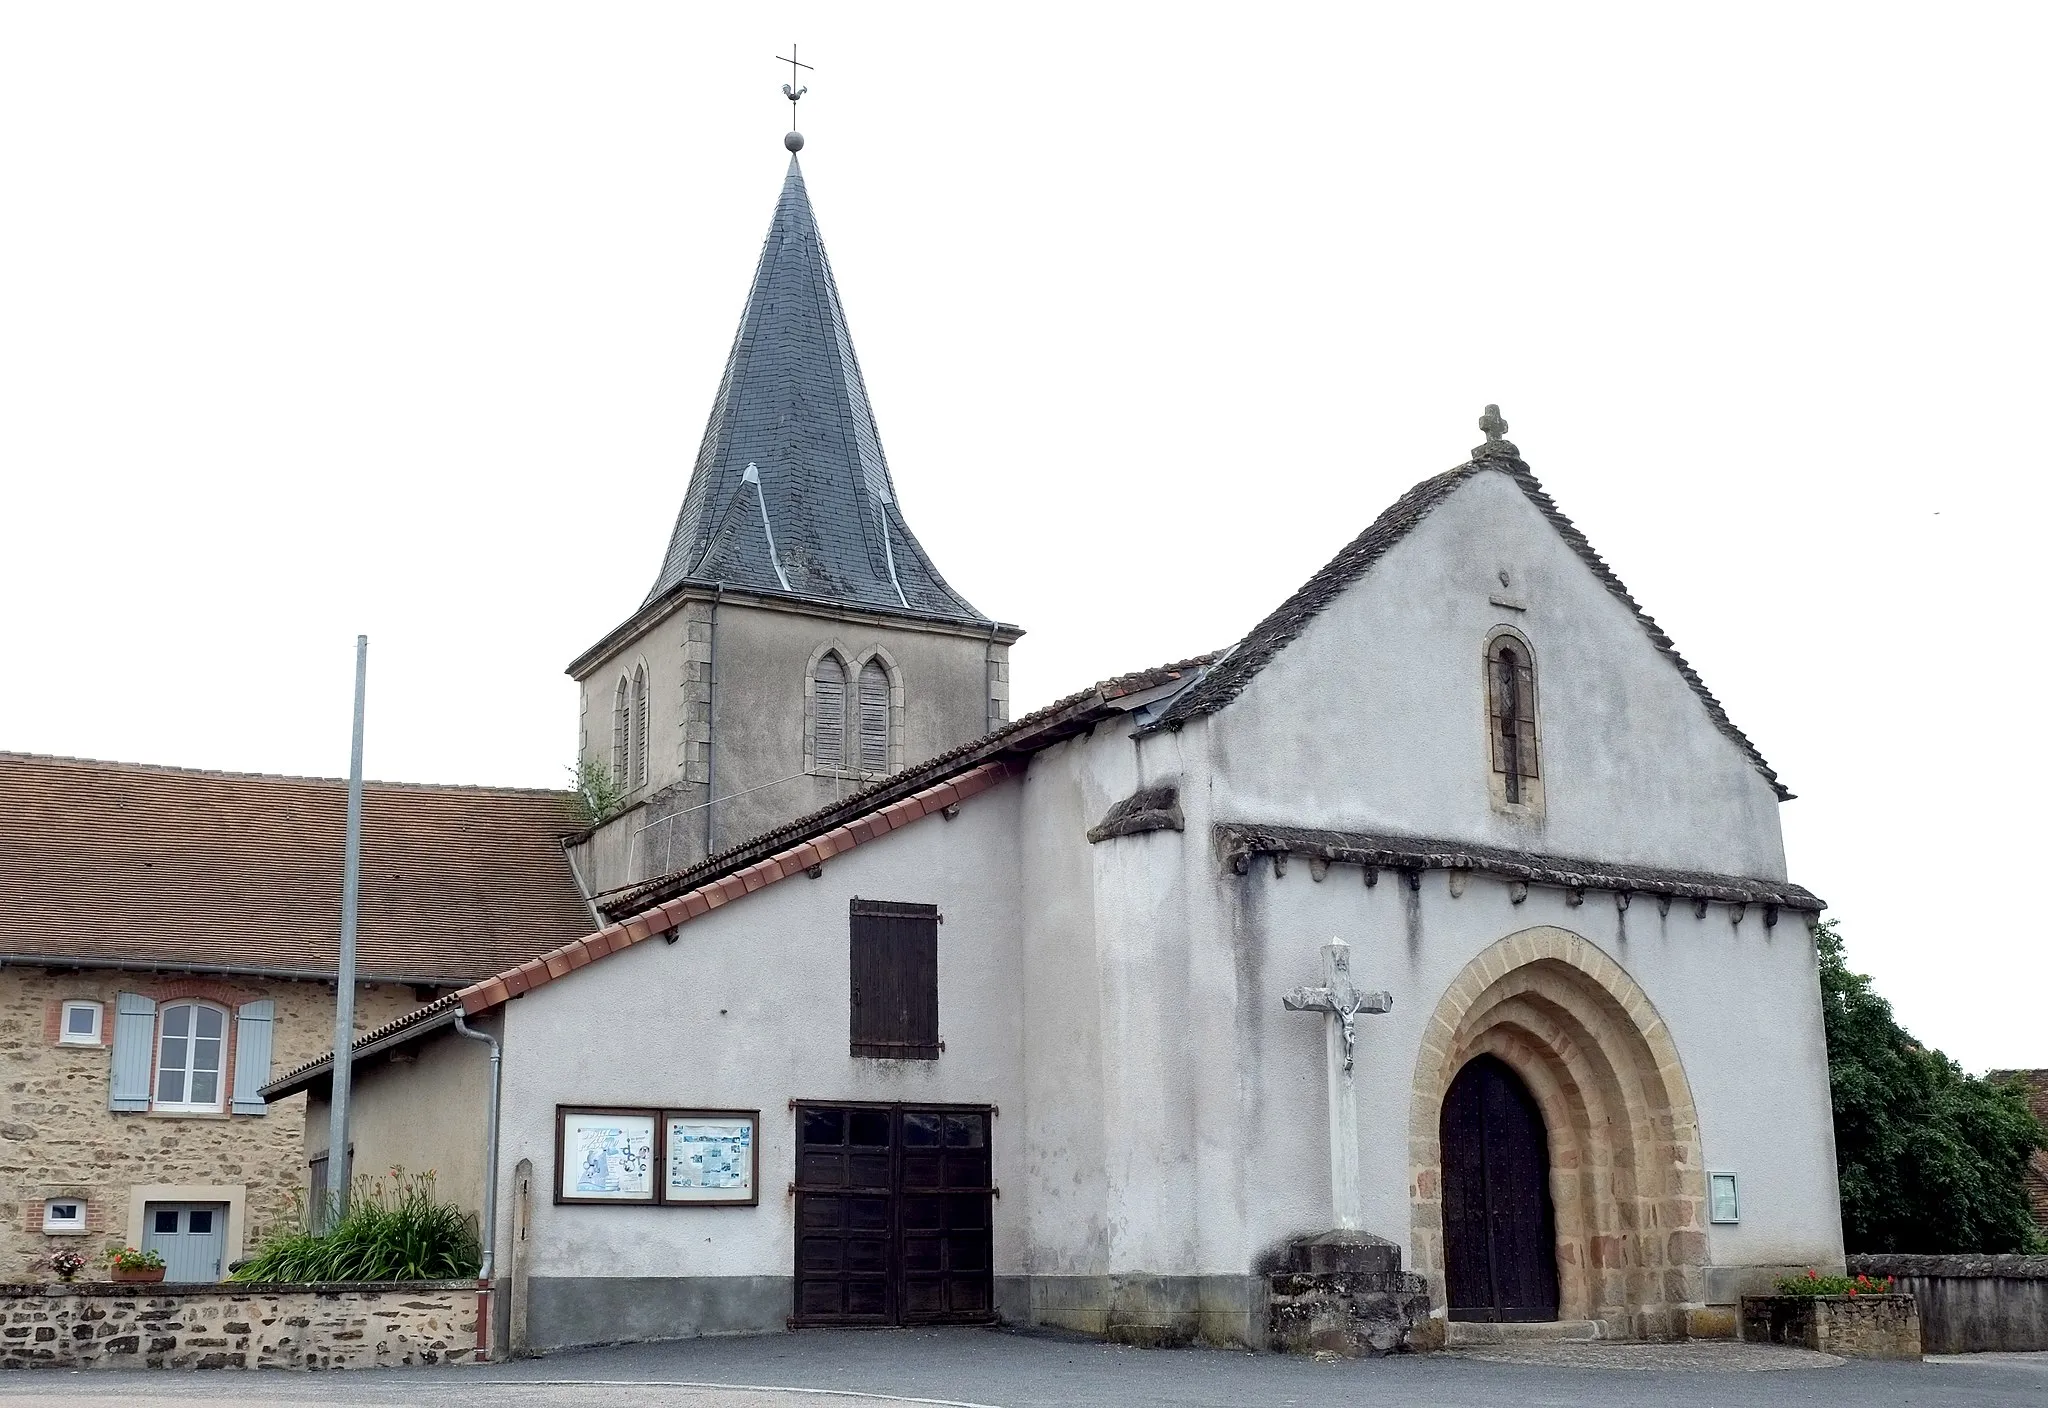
(1815,1284)
(1930,1159)
(375,1234)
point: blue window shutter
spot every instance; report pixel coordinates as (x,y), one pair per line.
(134,1043)
(252,1055)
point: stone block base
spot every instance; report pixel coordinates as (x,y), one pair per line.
(1861,1327)
(1345,1293)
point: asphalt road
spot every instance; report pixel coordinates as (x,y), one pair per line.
(991,1369)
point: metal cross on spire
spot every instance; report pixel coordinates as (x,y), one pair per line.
(793,91)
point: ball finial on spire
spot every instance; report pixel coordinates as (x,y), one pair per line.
(1497,446)
(794,141)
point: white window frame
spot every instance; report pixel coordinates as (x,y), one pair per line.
(1734,1197)
(95,1037)
(222,1072)
(54,1226)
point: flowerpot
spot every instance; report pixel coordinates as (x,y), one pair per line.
(135,1274)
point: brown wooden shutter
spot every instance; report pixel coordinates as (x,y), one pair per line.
(895,972)
(828,719)
(874,717)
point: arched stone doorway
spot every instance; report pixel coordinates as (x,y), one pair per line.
(1500,1233)
(1627,1187)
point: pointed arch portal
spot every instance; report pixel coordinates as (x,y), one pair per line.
(1552,1038)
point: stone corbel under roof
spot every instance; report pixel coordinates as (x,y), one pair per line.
(1238,842)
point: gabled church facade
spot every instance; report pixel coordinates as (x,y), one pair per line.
(1014,1027)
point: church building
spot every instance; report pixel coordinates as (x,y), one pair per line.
(1443,919)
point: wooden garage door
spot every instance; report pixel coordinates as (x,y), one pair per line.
(893,1213)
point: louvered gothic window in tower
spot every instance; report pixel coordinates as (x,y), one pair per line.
(639,749)
(1511,710)
(874,717)
(622,730)
(828,715)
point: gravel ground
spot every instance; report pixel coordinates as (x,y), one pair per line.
(990,1369)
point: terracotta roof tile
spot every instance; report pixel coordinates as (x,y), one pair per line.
(122,862)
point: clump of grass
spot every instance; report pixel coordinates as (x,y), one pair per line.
(375,1233)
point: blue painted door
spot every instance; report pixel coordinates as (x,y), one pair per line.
(192,1238)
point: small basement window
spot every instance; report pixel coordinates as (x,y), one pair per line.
(81,1024)
(64,1216)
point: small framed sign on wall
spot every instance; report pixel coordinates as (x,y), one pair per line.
(646,1157)
(711,1157)
(605,1155)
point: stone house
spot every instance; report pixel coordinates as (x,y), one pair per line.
(167,942)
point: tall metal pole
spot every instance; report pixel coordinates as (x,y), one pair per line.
(338,1173)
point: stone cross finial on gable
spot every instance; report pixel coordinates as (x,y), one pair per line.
(1497,446)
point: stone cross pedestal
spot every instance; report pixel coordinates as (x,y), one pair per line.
(1340,1003)
(1344,1292)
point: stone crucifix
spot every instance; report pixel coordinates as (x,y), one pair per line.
(1340,1003)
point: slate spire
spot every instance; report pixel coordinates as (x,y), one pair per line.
(791,494)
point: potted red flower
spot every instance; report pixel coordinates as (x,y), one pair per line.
(131,1264)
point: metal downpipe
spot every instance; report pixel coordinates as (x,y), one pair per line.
(490,1208)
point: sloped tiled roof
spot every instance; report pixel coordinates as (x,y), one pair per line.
(1243,661)
(134,864)
(791,494)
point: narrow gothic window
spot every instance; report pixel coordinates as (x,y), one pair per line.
(828,717)
(874,717)
(622,731)
(639,755)
(1511,694)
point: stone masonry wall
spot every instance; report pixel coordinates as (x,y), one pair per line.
(59,1139)
(243,1327)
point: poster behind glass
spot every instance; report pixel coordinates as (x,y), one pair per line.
(711,1157)
(604,1156)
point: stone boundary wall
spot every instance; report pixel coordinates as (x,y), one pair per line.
(106,1325)
(1970,1304)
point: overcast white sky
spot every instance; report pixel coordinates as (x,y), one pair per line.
(405,318)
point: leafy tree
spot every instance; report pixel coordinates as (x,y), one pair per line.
(1931,1159)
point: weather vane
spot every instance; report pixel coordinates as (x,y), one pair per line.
(790,90)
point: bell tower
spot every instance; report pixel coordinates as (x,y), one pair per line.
(798,642)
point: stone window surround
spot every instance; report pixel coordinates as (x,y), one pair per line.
(1530,808)
(852,661)
(235,1195)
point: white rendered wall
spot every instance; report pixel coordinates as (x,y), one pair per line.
(1374,718)
(749,1009)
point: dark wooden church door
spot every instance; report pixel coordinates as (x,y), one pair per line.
(893,1215)
(1500,1235)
